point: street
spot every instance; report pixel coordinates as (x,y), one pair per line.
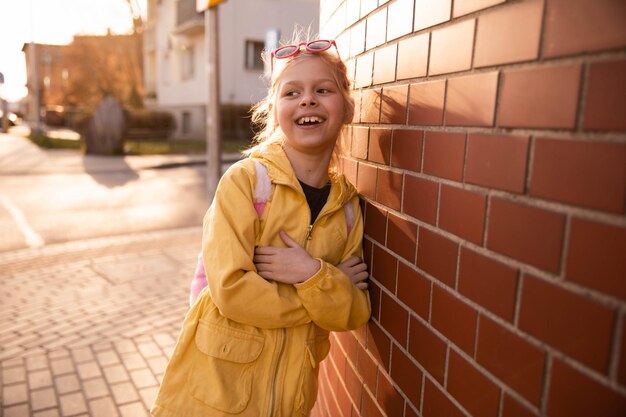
(52,196)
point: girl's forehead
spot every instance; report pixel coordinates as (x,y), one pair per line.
(307,68)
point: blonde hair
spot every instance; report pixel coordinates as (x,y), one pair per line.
(263,114)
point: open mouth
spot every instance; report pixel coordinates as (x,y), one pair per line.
(309,120)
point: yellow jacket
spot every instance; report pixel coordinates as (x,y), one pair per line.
(249,346)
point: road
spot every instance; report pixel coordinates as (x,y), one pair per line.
(51,196)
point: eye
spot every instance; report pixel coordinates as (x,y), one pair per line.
(323,90)
(290,93)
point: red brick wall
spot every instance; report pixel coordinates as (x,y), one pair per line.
(489,145)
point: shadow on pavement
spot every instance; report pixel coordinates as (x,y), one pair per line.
(110,171)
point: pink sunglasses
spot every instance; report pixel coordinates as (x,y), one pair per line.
(287,51)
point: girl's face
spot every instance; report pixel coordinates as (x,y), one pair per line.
(310,109)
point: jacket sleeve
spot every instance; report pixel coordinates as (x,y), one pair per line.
(230,228)
(332,301)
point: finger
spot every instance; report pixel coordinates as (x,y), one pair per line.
(262,259)
(362,285)
(265,250)
(361,276)
(288,240)
(351,261)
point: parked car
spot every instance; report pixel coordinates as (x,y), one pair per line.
(11,116)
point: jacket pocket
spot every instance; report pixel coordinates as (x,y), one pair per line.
(314,353)
(223,378)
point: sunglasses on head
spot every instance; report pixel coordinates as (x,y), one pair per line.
(287,51)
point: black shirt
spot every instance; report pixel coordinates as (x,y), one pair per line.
(316,198)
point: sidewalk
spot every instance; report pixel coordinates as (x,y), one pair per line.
(86,328)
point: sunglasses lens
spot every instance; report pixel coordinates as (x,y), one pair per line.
(285,51)
(318,45)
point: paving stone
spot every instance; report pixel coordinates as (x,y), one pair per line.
(116,373)
(72,404)
(17,411)
(54,412)
(158,364)
(39,379)
(148,395)
(14,394)
(103,407)
(67,383)
(13,375)
(108,357)
(42,399)
(143,378)
(82,354)
(125,346)
(36,362)
(62,366)
(124,393)
(134,361)
(88,370)
(136,409)
(95,388)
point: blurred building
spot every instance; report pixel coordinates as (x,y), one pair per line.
(74,78)
(175,78)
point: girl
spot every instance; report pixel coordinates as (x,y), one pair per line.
(279,282)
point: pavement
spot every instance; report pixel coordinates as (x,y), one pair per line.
(87,327)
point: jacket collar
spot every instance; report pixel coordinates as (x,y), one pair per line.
(280,171)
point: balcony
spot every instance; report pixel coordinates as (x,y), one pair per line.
(188,21)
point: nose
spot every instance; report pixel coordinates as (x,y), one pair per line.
(308,100)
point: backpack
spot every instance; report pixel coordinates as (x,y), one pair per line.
(262,194)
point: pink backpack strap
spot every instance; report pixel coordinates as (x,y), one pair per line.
(263,187)
(349,211)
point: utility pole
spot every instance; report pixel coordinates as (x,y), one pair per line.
(213,119)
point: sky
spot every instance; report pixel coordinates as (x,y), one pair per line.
(52,22)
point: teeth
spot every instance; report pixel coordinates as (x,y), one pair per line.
(309,119)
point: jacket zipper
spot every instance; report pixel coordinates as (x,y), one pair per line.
(283,337)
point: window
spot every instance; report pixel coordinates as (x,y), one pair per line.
(254,49)
(187,61)
(186,128)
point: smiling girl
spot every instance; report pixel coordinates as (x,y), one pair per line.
(279,278)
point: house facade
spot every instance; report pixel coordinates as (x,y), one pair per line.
(175,78)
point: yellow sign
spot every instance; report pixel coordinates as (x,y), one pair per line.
(202,5)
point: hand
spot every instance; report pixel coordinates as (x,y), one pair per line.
(289,265)
(356,270)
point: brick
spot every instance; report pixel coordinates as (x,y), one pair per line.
(437,256)
(576,26)
(360,142)
(376,223)
(414,290)
(406,375)
(406,149)
(370,106)
(394,105)
(489,283)
(463,7)
(354,387)
(512,408)
(394,318)
(454,318)
(366,180)
(388,397)
(462,213)
(402,237)
(413,57)
(573,324)
(378,345)
(385,64)
(369,406)
(476,393)
(421,199)
(509,34)
(426,103)
(364,72)
(544,97)
(437,404)
(589,174)
(497,161)
(511,359)
(604,101)
(357,96)
(349,168)
(444,154)
(621,370)
(529,234)
(384,268)
(451,48)
(379,146)
(375,295)
(575,394)
(389,188)
(366,367)
(376,29)
(471,100)
(400,15)
(428,349)
(429,13)
(595,257)
(357,38)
